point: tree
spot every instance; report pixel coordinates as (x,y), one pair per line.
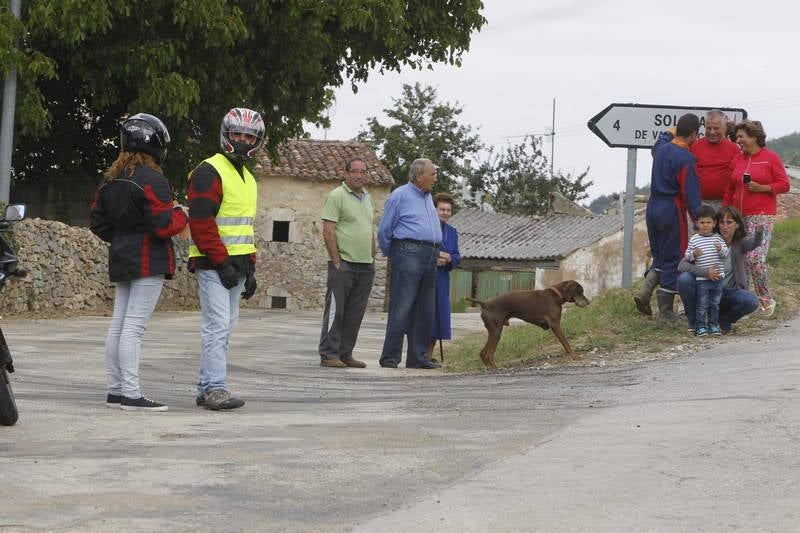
(788,147)
(517,180)
(84,64)
(424,127)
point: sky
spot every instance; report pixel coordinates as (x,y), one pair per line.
(588,54)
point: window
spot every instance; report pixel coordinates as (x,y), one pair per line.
(278,302)
(280,231)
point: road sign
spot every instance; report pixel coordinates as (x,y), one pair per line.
(639,125)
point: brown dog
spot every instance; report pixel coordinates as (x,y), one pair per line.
(540,307)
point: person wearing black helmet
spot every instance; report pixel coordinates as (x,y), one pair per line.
(222,208)
(133,211)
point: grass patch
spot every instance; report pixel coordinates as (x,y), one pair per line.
(612,325)
(460,306)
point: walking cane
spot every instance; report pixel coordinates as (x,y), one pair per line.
(438,321)
(439,324)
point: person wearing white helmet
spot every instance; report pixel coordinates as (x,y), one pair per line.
(222,208)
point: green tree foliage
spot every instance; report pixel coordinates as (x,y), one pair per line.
(423,127)
(84,64)
(517,180)
(788,147)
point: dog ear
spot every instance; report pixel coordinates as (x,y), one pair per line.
(573,289)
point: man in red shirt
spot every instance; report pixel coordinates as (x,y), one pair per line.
(714,154)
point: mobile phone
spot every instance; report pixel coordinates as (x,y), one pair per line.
(746,177)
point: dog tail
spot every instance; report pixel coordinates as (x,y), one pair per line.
(473,300)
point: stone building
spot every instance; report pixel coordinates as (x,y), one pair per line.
(292,260)
(502,252)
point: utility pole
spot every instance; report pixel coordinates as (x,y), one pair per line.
(7,123)
(553,141)
(465,179)
(552,155)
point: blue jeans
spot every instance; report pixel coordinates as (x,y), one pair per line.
(411,301)
(134,302)
(733,305)
(219,310)
(707,296)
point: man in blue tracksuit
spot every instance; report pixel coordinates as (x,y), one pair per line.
(674,193)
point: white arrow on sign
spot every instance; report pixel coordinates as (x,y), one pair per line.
(639,125)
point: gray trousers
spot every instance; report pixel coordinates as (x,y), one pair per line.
(345,304)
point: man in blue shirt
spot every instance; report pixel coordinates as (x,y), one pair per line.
(409,235)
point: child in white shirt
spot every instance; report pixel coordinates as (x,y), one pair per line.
(707,249)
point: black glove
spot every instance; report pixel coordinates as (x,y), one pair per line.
(250,286)
(228,274)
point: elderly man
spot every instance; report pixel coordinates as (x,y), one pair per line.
(347,231)
(714,153)
(410,235)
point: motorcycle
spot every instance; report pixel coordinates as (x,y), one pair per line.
(8,267)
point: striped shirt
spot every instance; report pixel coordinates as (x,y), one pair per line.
(710,256)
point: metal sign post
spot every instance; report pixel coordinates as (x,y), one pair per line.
(634,126)
(627,235)
(7,123)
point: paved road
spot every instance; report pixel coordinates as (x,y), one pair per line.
(706,442)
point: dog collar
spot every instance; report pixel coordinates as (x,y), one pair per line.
(558,293)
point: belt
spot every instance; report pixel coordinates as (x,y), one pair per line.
(424,243)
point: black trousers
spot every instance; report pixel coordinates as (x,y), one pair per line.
(345,303)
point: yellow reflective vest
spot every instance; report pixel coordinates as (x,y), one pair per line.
(237,211)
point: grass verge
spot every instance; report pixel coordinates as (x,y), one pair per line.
(611,326)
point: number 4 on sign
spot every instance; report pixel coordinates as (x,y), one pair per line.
(616,125)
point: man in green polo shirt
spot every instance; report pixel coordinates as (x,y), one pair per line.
(349,239)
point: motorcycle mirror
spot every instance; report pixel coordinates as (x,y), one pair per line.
(15,212)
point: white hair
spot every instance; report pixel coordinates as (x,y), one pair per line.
(716,113)
(417,168)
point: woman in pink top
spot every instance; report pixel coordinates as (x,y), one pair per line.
(757,178)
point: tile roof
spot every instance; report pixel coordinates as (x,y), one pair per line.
(488,235)
(322,160)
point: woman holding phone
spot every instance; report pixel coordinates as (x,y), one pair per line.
(757,178)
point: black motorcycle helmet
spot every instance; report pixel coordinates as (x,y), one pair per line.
(241,120)
(144,133)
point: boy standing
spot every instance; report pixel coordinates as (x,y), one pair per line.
(707,249)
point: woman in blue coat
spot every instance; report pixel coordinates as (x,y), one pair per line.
(449,258)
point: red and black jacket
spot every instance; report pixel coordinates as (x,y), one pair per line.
(136,215)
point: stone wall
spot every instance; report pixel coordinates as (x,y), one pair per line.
(598,267)
(68,266)
(297,270)
(68,273)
